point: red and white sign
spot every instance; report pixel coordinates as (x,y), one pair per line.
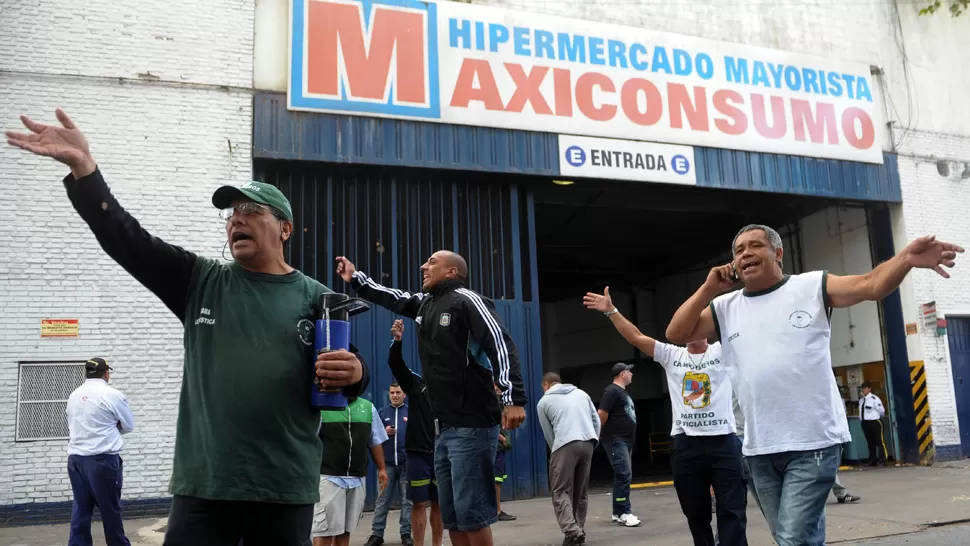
(479,65)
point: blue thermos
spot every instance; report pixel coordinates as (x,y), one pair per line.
(332,333)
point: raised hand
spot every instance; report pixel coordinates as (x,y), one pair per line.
(599,302)
(397,330)
(722,278)
(929,253)
(345,268)
(66,144)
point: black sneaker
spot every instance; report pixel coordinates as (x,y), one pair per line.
(406,540)
(502,516)
(848,499)
(574,540)
(374,540)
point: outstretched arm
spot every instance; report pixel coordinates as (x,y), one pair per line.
(395,359)
(398,301)
(162,268)
(924,253)
(604,304)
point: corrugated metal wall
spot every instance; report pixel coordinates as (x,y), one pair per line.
(282,134)
(388,222)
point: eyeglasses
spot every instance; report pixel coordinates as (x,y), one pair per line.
(248,207)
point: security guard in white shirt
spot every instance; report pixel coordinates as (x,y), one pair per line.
(870,413)
(97,416)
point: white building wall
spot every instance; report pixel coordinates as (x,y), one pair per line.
(935,205)
(931,123)
(161,90)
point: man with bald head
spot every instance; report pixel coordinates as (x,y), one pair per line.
(463,347)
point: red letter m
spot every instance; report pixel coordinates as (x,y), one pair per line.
(337,51)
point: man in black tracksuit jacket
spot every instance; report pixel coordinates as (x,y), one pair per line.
(463,348)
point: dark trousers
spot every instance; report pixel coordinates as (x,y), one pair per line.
(203,522)
(96,481)
(875,441)
(700,462)
(621,454)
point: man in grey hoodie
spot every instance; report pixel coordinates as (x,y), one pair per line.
(572,428)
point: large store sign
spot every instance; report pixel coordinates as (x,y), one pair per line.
(479,65)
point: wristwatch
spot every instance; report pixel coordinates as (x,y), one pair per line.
(613,312)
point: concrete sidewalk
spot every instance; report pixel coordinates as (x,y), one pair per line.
(894,501)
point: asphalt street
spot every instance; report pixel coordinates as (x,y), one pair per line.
(908,505)
(957,535)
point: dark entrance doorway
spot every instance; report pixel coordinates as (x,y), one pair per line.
(653,245)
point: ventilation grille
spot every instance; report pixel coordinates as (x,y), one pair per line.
(42,399)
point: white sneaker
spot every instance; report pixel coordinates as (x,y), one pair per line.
(615,518)
(628,520)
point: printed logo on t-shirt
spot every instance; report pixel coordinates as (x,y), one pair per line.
(697,390)
(800,319)
(305,330)
(630,409)
(697,366)
(205,317)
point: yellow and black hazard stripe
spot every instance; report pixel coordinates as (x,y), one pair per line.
(924,426)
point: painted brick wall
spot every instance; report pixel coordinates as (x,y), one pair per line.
(164,144)
(804,27)
(936,205)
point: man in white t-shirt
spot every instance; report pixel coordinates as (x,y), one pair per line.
(706,450)
(775,333)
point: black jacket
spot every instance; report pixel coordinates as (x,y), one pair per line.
(420,432)
(463,346)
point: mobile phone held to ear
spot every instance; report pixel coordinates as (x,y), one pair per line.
(734,273)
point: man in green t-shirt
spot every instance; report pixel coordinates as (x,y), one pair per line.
(247,453)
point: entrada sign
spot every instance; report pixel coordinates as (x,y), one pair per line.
(485,66)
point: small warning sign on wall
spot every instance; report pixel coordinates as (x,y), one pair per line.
(59,328)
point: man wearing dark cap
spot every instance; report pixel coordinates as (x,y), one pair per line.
(618,417)
(97,416)
(247,453)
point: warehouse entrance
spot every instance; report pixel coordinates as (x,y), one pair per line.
(653,245)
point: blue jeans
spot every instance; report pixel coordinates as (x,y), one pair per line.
(464,465)
(96,481)
(792,489)
(620,454)
(397,480)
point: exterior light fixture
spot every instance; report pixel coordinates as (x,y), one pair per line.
(943,168)
(570,182)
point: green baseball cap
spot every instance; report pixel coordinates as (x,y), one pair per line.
(260,192)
